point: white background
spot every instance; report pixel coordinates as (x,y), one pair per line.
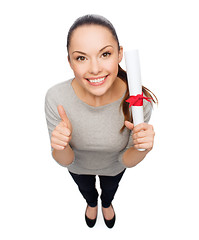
(158,199)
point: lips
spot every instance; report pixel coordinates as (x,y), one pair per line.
(97,81)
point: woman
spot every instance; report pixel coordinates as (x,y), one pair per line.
(88,118)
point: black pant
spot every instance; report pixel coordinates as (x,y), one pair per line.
(108,185)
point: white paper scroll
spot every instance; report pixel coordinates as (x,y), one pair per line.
(134,83)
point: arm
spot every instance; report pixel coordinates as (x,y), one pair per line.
(64,157)
(60,138)
(132,157)
(60,132)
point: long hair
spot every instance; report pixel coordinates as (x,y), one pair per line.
(125,106)
(93,19)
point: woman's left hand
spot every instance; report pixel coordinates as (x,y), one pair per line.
(143,135)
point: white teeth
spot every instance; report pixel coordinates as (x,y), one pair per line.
(97,80)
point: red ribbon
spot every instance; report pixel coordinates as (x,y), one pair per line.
(137,100)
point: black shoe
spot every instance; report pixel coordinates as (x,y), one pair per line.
(90,222)
(110,223)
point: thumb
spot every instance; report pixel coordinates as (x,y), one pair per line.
(62,113)
(129,125)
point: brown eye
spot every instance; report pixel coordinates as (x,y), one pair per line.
(106,54)
(80,58)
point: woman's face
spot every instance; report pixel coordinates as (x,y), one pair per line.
(94,58)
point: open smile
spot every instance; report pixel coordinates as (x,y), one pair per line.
(97,81)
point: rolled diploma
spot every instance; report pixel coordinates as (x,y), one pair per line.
(134,83)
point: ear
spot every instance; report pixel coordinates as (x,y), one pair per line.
(120,54)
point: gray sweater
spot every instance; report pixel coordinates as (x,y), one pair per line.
(96,140)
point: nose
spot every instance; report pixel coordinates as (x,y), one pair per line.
(95,67)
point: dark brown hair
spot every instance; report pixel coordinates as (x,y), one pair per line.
(93,19)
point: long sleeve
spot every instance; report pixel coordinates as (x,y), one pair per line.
(51,116)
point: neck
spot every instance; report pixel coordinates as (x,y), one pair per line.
(112,94)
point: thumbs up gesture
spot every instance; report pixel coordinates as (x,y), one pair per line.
(62,134)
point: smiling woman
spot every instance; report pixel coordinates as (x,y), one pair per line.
(87,127)
(94,81)
(96,68)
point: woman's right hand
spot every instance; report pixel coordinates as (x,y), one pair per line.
(62,134)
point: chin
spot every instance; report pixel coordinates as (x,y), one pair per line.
(98,92)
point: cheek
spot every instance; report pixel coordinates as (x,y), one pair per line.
(111,66)
(79,71)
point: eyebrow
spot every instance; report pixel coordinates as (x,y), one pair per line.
(99,50)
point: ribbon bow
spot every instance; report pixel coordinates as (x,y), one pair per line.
(137,100)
